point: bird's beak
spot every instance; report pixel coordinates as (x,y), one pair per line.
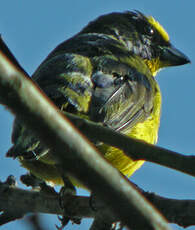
(171,56)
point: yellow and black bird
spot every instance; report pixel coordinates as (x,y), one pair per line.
(105,73)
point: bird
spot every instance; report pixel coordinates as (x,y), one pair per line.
(105,73)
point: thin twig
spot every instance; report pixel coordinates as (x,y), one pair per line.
(136,149)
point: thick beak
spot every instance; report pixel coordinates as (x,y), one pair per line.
(171,56)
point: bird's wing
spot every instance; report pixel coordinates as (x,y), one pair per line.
(98,87)
(122,96)
(103,89)
(66,79)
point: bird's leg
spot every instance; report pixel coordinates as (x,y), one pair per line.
(67,193)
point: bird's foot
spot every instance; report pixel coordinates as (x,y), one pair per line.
(67,194)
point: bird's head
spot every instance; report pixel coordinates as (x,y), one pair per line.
(141,35)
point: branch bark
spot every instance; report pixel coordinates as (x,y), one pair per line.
(17,200)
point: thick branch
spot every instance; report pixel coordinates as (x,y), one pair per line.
(181,212)
(72,151)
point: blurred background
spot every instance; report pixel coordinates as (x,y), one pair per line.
(32,29)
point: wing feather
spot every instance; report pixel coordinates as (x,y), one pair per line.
(97,85)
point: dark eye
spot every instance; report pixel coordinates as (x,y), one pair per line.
(149,30)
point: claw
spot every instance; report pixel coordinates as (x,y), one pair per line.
(66,194)
(64,221)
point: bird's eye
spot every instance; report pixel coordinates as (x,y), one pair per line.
(149,31)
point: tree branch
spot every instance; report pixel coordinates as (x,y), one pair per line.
(17,200)
(136,149)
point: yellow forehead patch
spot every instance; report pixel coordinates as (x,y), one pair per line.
(158,27)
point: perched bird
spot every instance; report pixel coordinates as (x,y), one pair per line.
(105,73)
